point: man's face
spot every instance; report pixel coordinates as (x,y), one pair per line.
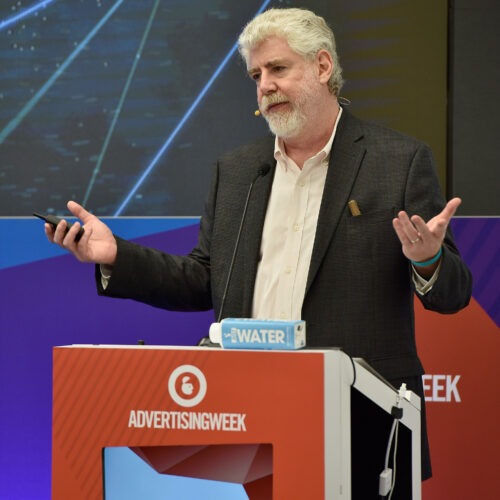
(288,87)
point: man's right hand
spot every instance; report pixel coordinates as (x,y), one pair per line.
(97,245)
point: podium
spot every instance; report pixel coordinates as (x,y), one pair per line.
(277,422)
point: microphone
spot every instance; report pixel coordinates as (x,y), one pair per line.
(262,172)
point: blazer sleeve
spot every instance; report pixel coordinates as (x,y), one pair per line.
(453,287)
(173,282)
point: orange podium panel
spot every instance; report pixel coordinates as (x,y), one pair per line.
(277,422)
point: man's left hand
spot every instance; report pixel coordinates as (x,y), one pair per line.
(421,241)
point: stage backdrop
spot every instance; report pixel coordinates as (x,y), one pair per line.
(124,106)
(49,299)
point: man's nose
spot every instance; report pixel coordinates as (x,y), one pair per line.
(267,84)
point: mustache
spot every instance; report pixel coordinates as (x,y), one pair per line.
(271,100)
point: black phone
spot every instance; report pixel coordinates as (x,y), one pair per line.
(54,221)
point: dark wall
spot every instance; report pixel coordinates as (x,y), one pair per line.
(473,151)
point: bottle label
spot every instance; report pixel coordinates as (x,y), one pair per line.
(263,334)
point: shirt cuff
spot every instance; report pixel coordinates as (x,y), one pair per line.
(423,286)
(106,272)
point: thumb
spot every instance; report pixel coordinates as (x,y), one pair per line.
(78,211)
(451,208)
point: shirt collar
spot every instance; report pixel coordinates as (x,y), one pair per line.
(323,154)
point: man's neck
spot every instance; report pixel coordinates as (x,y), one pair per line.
(314,137)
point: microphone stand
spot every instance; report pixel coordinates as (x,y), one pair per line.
(263,171)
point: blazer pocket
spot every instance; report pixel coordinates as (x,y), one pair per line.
(371,233)
(372,217)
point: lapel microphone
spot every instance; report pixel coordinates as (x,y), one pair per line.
(262,172)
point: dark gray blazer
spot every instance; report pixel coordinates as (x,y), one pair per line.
(359,292)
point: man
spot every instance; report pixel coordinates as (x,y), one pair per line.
(317,243)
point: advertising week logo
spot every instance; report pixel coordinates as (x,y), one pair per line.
(187,387)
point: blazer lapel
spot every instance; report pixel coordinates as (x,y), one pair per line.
(252,232)
(345,160)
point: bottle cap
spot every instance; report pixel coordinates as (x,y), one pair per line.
(215,333)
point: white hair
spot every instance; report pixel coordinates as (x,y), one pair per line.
(305,32)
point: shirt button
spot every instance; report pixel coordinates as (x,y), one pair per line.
(288,269)
(296,227)
(282,315)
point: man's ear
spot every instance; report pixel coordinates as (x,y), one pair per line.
(324,63)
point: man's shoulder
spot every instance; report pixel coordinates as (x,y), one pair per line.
(377,132)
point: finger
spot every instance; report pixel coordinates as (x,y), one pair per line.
(450,208)
(408,233)
(49,232)
(82,245)
(73,246)
(405,221)
(78,211)
(84,240)
(421,227)
(396,224)
(69,239)
(60,232)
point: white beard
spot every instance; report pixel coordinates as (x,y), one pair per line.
(286,124)
(290,123)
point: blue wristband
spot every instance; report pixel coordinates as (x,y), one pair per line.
(429,262)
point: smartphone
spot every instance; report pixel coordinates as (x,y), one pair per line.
(54,220)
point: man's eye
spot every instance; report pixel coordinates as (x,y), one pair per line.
(255,77)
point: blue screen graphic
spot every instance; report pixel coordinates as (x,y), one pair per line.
(128,477)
